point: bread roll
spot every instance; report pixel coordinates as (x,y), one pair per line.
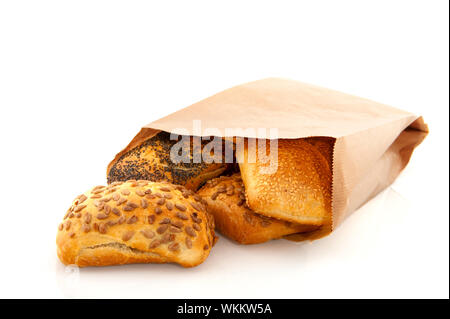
(151,161)
(299,188)
(226,201)
(136,222)
(324,145)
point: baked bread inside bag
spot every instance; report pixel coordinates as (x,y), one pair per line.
(291,184)
(225,196)
(151,161)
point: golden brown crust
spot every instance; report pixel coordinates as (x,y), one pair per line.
(226,201)
(151,161)
(136,222)
(324,145)
(299,189)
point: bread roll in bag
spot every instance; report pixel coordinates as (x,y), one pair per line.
(374,142)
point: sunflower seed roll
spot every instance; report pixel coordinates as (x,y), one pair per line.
(136,222)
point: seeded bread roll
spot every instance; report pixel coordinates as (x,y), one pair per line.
(151,161)
(136,222)
(226,201)
(297,190)
(324,145)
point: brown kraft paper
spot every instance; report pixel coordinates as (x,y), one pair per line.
(374,142)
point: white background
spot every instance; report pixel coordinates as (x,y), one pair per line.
(78,79)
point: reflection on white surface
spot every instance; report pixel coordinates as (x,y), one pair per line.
(349,251)
(68,280)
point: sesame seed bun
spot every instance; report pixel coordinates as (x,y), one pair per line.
(299,188)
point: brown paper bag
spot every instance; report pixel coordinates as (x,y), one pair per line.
(374,142)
